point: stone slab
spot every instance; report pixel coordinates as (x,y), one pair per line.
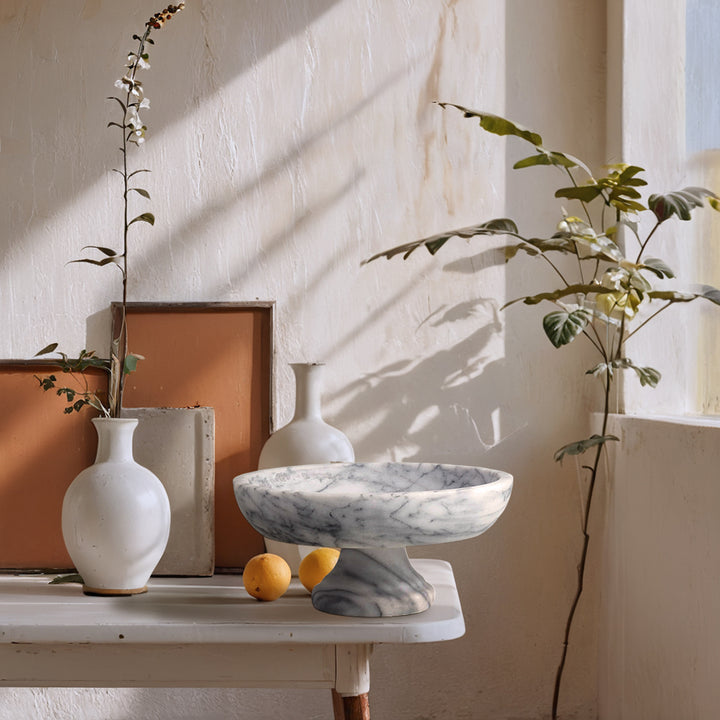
(177,444)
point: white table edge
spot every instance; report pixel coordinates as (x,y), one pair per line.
(211,610)
(201,632)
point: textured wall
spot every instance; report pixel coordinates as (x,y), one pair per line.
(288,141)
(659,133)
(661,636)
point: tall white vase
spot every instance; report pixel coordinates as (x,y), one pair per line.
(115,516)
(306,440)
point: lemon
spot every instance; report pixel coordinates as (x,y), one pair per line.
(266,576)
(316,565)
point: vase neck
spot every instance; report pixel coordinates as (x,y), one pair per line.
(308,390)
(115,436)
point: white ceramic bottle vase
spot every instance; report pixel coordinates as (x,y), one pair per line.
(115,516)
(306,440)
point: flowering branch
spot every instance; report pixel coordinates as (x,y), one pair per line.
(132,129)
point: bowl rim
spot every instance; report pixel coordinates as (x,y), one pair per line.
(252,480)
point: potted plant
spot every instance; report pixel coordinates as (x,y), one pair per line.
(116,514)
(606,296)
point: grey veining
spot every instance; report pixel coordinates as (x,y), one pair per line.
(373,583)
(372,511)
(373,505)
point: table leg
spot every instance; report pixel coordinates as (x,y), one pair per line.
(351,707)
(352,682)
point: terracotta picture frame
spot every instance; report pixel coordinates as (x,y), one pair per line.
(216,355)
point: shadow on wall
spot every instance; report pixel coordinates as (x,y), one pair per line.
(460,387)
(71,134)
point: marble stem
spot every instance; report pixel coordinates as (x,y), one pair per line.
(373,582)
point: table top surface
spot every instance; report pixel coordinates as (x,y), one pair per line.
(211,610)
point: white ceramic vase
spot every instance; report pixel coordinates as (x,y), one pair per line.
(115,516)
(306,440)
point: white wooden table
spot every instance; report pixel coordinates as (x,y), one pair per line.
(204,632)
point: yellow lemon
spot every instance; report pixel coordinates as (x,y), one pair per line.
(316,565)
(266,576)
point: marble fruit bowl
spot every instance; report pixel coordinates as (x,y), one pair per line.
(372,512)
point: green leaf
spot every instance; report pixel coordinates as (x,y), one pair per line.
(584,193)
(72,578)
(596,247)
(620,184)
(563,327)
(647,375)
(145,217)
(496,124)
(47,383)
(672,296)
(710,293)
(498,226)
(141,191)
(560,242)
(659,267)
(624,192)
(600,369)
(577,289)
(99,263)
(581,446)
(550,157)
(131,361)
(680,203)
(637,281)
(104,250)
(627,175)
(47,349)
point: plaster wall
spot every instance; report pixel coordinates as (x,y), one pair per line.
(659,629)
(657,109)
(288,141)
(661,633)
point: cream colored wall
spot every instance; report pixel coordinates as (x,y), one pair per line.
(288,141)
(661,648)
(653,136)
(660,634)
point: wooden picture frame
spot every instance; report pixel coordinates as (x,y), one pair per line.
(216,355)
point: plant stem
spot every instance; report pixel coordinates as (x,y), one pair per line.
(647,240)
(583,555)
(648,319)
(582,202)
(120,343)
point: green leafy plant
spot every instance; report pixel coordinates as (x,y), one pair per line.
(132,131)
(611,294)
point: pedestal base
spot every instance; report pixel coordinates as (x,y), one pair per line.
(373,583)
